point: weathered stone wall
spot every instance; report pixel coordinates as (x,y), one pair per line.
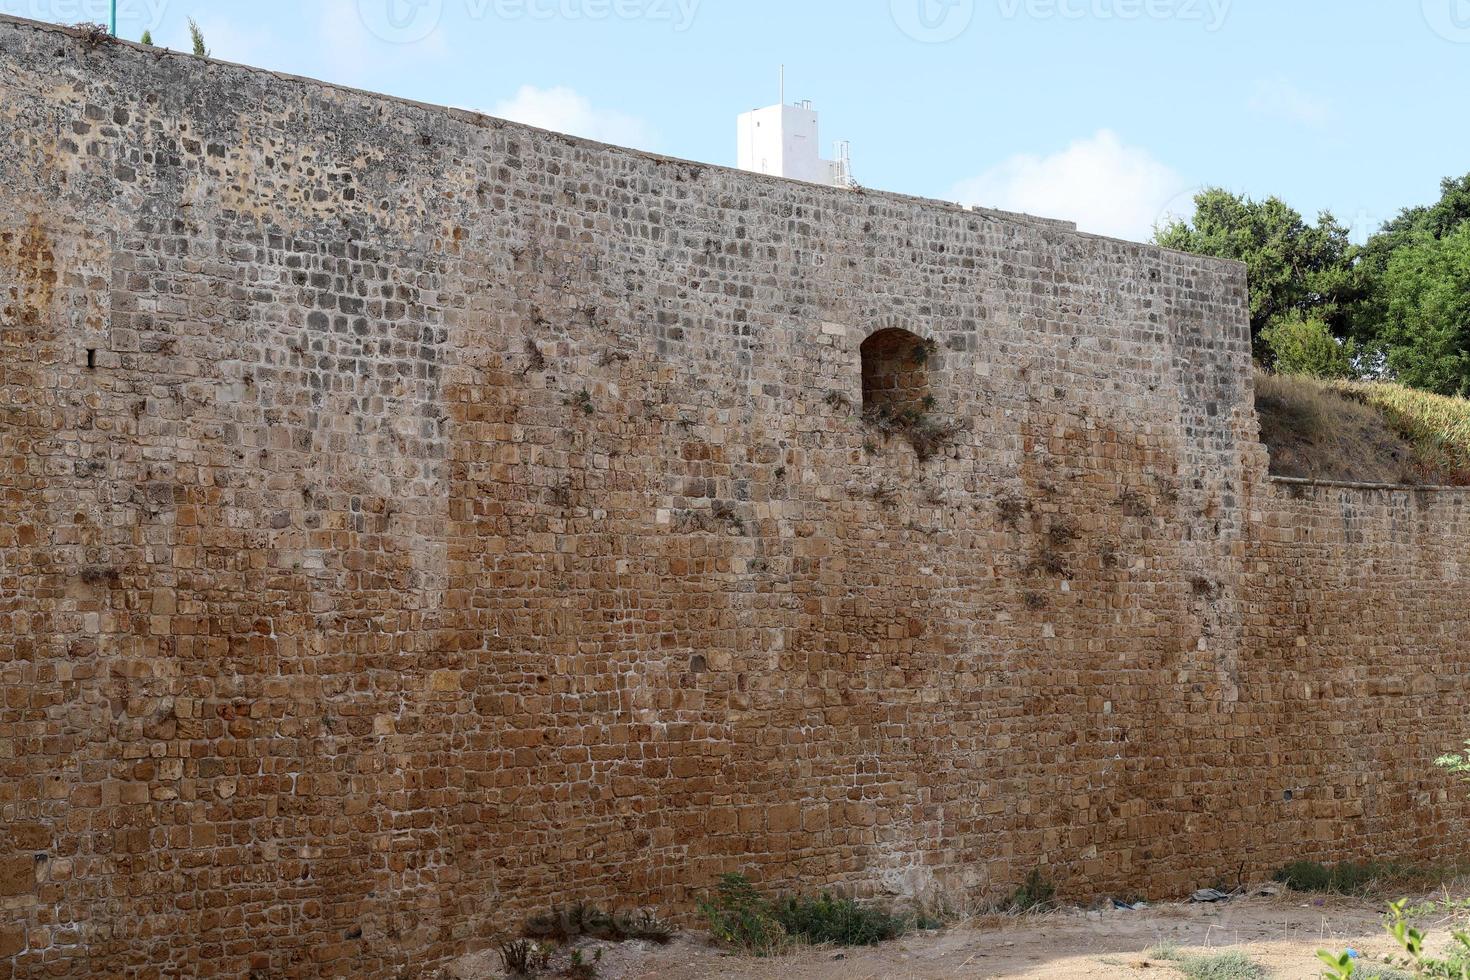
(1358,673)
(409,518)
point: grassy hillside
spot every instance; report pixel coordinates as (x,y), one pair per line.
(1363,432)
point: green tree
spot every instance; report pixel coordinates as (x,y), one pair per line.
(1425,296)
(1295,268)
(147,38)
(1412,226)
(1300,344)
(1436,220)
(197,36)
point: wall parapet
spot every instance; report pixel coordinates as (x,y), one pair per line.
(1293,481)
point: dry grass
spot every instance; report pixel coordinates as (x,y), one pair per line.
(1363,432)
(1437,426)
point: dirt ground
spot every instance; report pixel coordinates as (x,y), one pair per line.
(1282,933)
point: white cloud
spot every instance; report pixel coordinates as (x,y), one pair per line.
(1279,97)
(566,110)
(1104,185)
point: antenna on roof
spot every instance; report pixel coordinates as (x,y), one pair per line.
(783,86)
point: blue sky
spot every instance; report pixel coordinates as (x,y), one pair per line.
(1107,112)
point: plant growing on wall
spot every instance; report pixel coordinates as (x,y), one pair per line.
(1456,763)
(197,36)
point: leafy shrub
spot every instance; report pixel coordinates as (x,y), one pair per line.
(1229,965)
(1342,879)
(1454,966)
(840,921)
(740,916)
(931,919)
(647,926)
(1037,894)
(1305,345)
(1456,763)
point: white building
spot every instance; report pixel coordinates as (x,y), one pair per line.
(781,140)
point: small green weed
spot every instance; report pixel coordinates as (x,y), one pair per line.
(1447,907)
(929,921)
(1457,763)
(1166,950)
(1038,894)
(581,968)
(524,957)
(1382,973)
(1229,965)
(583,401)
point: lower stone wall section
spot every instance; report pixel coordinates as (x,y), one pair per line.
(1356,630)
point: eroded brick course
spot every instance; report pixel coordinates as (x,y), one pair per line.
(409,519)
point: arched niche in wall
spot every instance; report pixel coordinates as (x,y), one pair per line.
(896,373)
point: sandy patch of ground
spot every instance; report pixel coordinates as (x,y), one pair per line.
(1282,933)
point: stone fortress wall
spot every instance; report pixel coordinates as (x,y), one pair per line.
(409,519)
